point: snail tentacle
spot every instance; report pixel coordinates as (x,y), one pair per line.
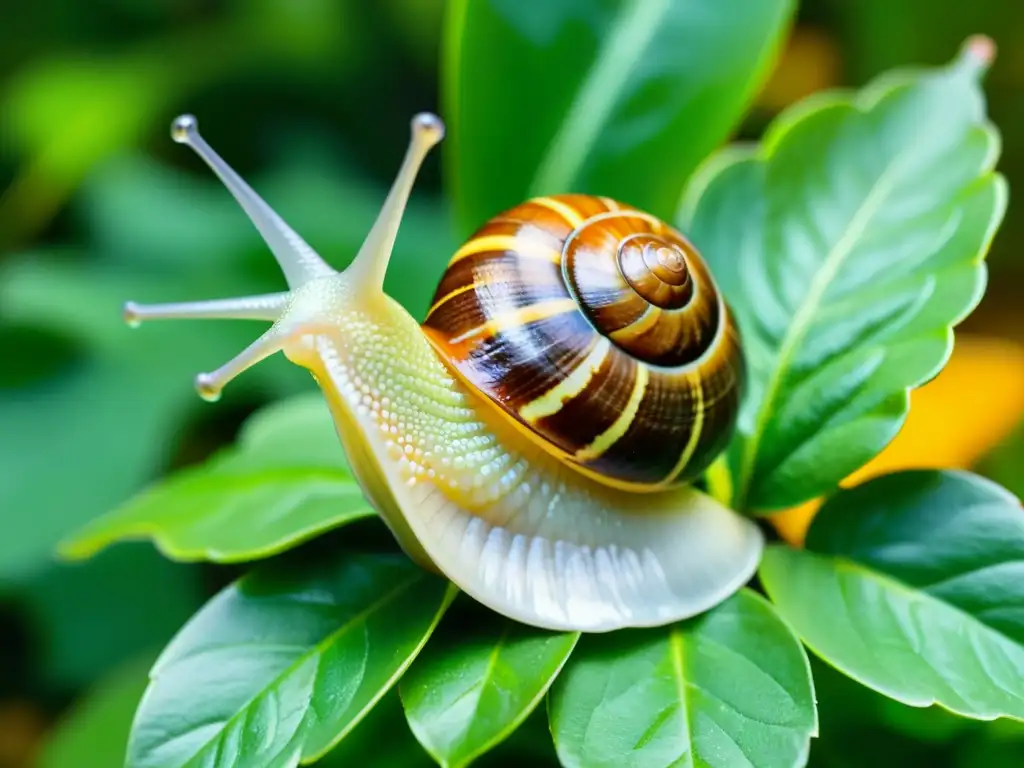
(210,385)
(297,260)
(294,312)
(266,307)
(371,263)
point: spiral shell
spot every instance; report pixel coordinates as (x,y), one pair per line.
(598,329)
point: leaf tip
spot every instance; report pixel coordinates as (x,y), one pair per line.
(978,53)
(75,549)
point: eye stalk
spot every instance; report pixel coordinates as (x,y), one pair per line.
(371,262)
(300,264)
(297,260)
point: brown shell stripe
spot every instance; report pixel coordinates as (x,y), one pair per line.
(515,332)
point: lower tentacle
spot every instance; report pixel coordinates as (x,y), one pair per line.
(266,307)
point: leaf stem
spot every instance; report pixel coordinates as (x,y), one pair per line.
(599,91)
(719,480)
(804,318)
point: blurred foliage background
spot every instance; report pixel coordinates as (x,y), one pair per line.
(310,101)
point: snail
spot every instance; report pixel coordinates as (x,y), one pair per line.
(535,439)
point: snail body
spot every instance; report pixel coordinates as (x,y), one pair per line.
(534,438)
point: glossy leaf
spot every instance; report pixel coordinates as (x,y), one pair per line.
(731,687)
(95,730)
(281,664)
(286,481)
(617,97)
(849,243)
(992,370)
(293,432)
(474,685)
(912,586)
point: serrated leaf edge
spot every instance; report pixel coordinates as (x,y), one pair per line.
(899,587)
(862,101)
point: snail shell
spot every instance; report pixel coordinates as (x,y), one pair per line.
(599,330)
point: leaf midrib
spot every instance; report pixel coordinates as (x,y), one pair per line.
(804,317)
(911,593)
(676,649)
(601,87)
(492,661)
(317,648)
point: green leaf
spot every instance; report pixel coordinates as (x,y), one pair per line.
(475,684)
(913,587)
(95,730)
(283,663)
(731,687)
(617,97)
(849,243)
(296,431)
(285,482)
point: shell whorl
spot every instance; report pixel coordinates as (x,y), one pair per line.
(599,330)
(643,285)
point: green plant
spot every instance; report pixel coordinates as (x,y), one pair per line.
(849,241)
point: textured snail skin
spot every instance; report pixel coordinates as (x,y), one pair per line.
(599,331)
(468,491)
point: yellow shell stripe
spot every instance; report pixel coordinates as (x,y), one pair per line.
(523,247)
(567,212)
(638,327)
(452,294)
(695,430)
(518,317)
(529,434)
(610,436)
(551,402)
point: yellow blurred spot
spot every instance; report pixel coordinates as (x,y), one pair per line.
(22,727)
(954,420)
(809,63)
